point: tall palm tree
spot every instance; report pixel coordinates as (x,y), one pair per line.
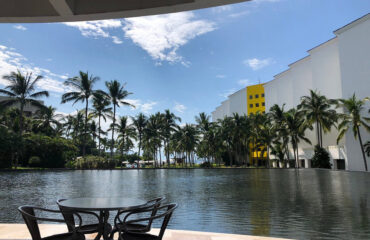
(140,122)
(296,127)
(117,94)
(352,119)
(278,116)
(318,109)
(47,120)
(101,111)
(267,136)
(83,89)
(21,91)
(152,137)
(126,134)
(169,120)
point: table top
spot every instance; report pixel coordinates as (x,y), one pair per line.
(103,203)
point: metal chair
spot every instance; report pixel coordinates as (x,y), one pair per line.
(126,234)
(86,228)
(30,218)
(151,204)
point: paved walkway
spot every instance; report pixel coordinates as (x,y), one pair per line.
(20,231)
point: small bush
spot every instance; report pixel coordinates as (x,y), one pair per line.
(321,158)
(34,161)
(206,165)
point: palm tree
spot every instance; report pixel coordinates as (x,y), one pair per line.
(140,122)
(169,124)
(101,111)
(278,116)
(152,137)
(126,135)
(21,91)
(296,127)
(116,93)
(47,120)
(83,85)
(267,136)
(317,109)
(352,119)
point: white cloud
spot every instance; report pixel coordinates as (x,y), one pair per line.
(179,107)
(162,35)
(11,61)
(20,27)
(227,93)
(245,82)
(220,76)
(96,29)
(223,8)
(116,40)
(257,64)
(141,106)
(239,14)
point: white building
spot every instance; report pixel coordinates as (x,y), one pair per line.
(337,69)
(235,103)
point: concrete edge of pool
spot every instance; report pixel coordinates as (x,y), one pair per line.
(20,231)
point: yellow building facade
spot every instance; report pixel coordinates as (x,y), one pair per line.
(256,104)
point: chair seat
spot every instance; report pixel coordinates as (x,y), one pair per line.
(135,227)
(92,228)
(138,236)
(66,236)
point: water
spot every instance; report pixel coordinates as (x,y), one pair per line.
(304,204)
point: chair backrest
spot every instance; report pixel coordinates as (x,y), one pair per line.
(27,213)
(155,204)
(166,217)
(67,215)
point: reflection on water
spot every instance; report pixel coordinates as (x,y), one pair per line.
(304,204)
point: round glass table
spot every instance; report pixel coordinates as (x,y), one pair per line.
(103,205)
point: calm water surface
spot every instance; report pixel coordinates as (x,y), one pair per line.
(304,204)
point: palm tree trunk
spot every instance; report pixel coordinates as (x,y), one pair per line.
(85,129)
(114,122)
(321,136)
(99,135)
(362,148)
(318,133)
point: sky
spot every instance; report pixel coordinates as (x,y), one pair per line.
(187,62)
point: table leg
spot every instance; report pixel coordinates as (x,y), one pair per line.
(107,229)
(101,225)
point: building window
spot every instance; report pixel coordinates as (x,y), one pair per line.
(262,95)
(251,105)
(263,104)
(250,96)
(256,96)
(257,104)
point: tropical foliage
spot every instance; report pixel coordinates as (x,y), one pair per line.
(78,140)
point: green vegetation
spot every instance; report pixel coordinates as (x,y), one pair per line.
(321,158)
(45,139)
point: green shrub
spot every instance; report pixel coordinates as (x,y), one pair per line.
(206,165)
(34,161)
(93,162)
(54,152)
(321,158)
(9,142)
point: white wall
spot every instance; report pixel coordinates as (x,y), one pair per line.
(236,103)
(354,58)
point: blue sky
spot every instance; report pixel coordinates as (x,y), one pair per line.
(186,62)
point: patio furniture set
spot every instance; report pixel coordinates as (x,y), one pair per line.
(133,219)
